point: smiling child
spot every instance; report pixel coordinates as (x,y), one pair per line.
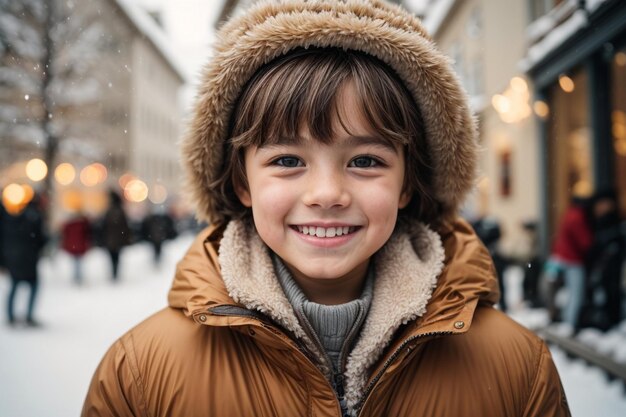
(331,148)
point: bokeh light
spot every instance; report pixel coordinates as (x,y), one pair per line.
(566,83)
(125,179)
(36,169)
(71,200)
(102,171)
(519,84)
(95,201)
(541,109)
(90,176)
(15,197)
(136,191)
(158,194)
(500,103)
(13,194)
(65,173)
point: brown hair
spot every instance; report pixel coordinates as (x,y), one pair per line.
(299,90)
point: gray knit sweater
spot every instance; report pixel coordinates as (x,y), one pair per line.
(333,327)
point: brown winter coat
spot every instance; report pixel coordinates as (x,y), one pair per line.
(209,355)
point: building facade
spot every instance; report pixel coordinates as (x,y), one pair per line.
(485,40)
(577,61)
(128,122)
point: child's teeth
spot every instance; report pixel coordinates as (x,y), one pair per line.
(325,232)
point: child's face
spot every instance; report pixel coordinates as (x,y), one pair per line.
(325,209)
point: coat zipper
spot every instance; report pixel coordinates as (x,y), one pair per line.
(336,378)
(388,362)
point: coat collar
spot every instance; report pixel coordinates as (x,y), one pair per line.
(426,283)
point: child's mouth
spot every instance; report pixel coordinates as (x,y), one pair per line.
(319,231)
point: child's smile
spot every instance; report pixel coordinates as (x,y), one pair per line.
(325,209)
(326,236)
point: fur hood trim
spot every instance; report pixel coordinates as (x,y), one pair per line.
(406,272)
(272,28)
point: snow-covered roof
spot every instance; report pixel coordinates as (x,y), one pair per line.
(154,34)
(550,31)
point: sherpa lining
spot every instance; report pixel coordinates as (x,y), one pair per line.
(406,272)
(271,29)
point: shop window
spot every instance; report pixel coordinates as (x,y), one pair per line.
(618,121)
(570,154)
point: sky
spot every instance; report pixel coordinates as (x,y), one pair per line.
(190,25)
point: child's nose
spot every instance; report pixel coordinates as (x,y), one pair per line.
(326,190)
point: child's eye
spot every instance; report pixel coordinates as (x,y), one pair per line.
(288,162)
(364,162)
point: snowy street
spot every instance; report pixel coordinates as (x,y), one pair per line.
(46,371)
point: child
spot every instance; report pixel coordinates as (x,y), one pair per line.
(330,150)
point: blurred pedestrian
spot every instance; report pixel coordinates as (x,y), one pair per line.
(22,239)
(489,232)
(525,252)
(568,256)
(605,260)
(76,236)
(157,227)
(115,231)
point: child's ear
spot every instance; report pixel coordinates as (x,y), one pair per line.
(405,199)
(243,193)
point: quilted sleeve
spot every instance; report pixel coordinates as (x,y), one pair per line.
(547,397)
(116,389)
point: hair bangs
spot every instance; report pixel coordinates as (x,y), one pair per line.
(297,93)
(298,96)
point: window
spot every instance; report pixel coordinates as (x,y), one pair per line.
(570,166)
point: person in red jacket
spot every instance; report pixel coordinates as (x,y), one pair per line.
(76,235)
(569,252)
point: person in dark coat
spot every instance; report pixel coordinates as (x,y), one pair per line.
(604,262)
(158,227)
(21,240)
(488,230)
(76,234)
(115,231)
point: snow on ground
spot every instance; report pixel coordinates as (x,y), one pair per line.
(588,390)
(46,371)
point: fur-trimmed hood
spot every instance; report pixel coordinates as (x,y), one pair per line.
(272,28)
(229,269)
